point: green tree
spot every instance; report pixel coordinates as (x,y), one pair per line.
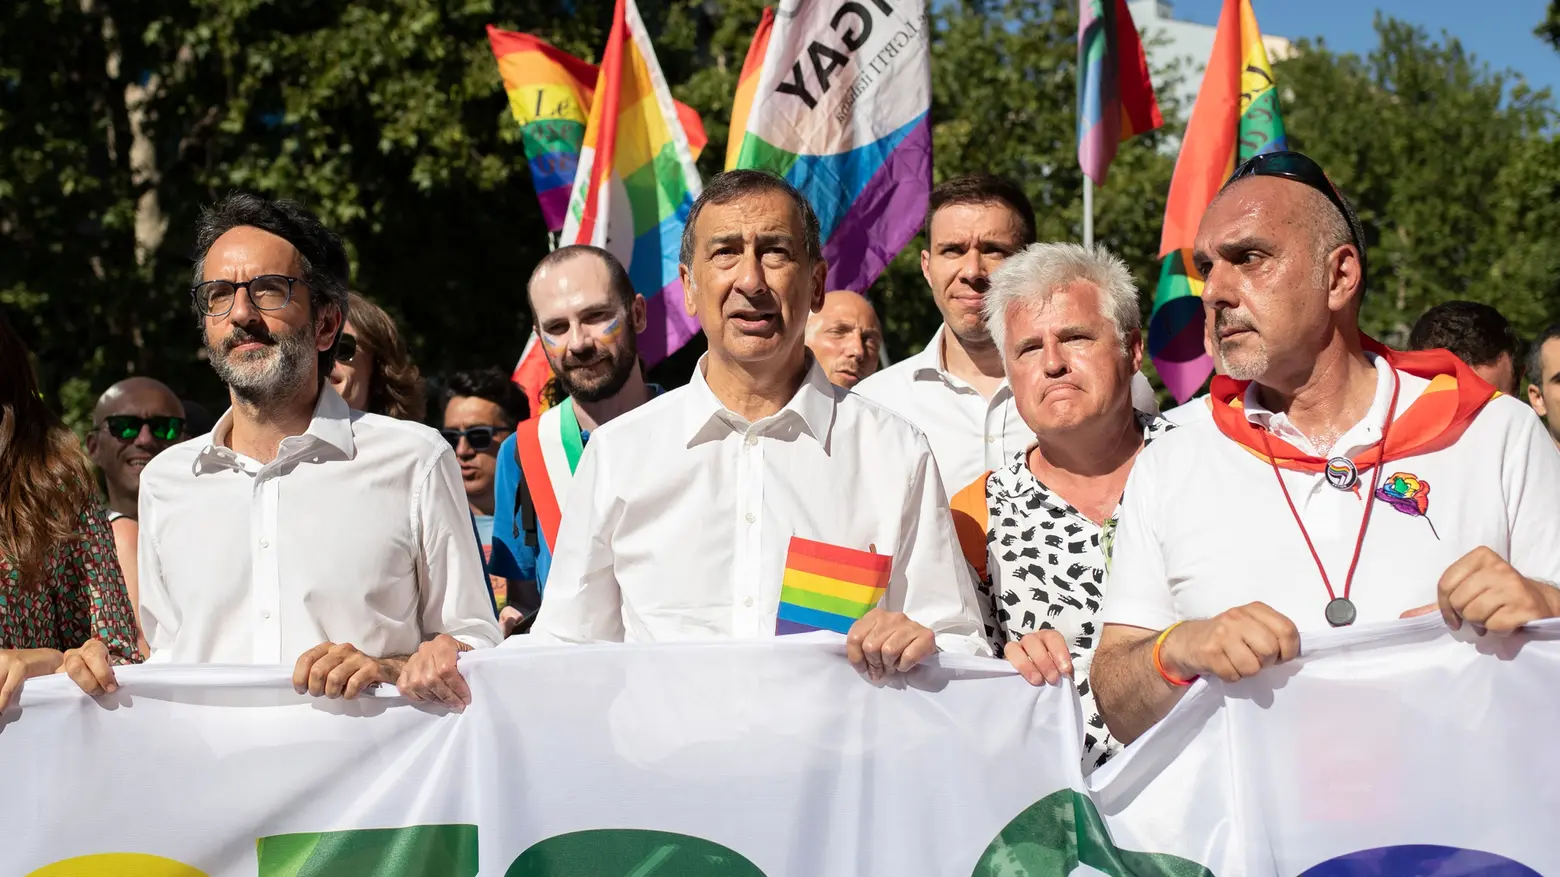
(1451,166)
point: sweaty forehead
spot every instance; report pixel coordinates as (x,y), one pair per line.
(576,284)
(1272,208)
(756,213)
(141,396)
(847,306)
(245,252)
(990,220)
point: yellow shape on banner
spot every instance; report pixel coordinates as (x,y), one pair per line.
(118,865)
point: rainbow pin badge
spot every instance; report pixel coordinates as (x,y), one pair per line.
(1409,494)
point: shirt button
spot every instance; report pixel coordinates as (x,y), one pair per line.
(991,439)
(266,615)
(750,517)
(752,439)
(265,543)
(747,601)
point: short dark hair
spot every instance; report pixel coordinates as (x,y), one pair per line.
(729,186)
(493,385)
(617,276)
(1477,333)
(321,253)
(983,189)
(1535,357)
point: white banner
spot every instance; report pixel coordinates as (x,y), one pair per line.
(1384,751)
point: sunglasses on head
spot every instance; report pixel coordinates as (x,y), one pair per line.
(1302,169)
(126,427)
(346,347)
(479,437)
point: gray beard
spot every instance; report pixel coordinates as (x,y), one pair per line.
(263,377)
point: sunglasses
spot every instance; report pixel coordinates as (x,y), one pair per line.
(479,437)
(346,347)
(126,427)
(1302,169)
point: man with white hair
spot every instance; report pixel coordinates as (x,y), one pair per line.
(1038,530)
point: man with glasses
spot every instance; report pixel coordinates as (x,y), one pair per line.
(588,319)
(134,421)
(299,531)
(1338,481)
(482,408)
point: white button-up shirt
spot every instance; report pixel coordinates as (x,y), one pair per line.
(680,515)
(1204,527)
(358,532)
(970,434)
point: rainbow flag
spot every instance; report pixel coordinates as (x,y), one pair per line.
(826,587)
(837,99)
(550,95)
(1115,96)
(636,180)
(1235,118)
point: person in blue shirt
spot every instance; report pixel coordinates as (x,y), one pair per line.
(587,318)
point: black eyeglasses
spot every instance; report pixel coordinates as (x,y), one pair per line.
(126,427)
(268,292)
(1303,169)
(346,347)
(479,437)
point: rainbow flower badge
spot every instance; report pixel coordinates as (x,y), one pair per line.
(1409,494)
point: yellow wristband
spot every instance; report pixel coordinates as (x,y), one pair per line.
(1159,664)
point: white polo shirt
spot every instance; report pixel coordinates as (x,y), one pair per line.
(1204,527)
(358,532)
(970,435)
(678,522)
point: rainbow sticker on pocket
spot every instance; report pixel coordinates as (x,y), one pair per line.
(827,587)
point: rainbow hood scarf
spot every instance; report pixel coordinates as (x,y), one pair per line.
(1434,421)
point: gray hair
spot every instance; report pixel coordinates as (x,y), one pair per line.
(1032,274)
(726,187)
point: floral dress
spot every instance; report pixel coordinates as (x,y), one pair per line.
(82,597)
(1047,567)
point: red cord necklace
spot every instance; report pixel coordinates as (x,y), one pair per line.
(1340,611)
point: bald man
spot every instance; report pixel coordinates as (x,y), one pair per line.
(134,421)
(845,336)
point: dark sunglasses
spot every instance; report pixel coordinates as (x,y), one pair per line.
(126,427)
(1302,169)
(346,347)
(479,437)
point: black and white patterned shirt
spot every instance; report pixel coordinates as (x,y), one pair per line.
(1046,565)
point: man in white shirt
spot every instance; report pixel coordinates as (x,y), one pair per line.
(1240,532)
(1543,373)
(759,499)
(300,531)
(954,389)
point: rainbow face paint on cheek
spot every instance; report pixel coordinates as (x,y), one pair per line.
(553,343)
(613,329)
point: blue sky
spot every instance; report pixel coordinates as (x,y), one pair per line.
(1499,32)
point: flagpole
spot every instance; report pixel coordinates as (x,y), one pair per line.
(1088,212)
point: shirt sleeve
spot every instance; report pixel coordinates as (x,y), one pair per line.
(1137,592)
(454,594)
(583,602)
(1531,472)
(931,581)
(159,620)
(512,559)
(92,594)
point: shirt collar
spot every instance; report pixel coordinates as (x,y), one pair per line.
(1366,432)
(330,426)
(1016,480)
(812,407)
(932,365)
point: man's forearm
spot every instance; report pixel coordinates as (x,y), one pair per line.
(1130,693)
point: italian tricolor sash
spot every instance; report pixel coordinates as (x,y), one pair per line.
(550,449)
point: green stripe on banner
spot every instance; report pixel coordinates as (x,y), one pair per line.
(630,852)
(656,189)
(1064,830)
(569,427)
(759,153)
(1173,282)
(552,135)
(415,851)
(824,602)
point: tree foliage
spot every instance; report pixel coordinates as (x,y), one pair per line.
(1451,166)
(118,121)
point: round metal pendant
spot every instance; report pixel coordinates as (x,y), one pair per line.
(1340,612)
(1342,474)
